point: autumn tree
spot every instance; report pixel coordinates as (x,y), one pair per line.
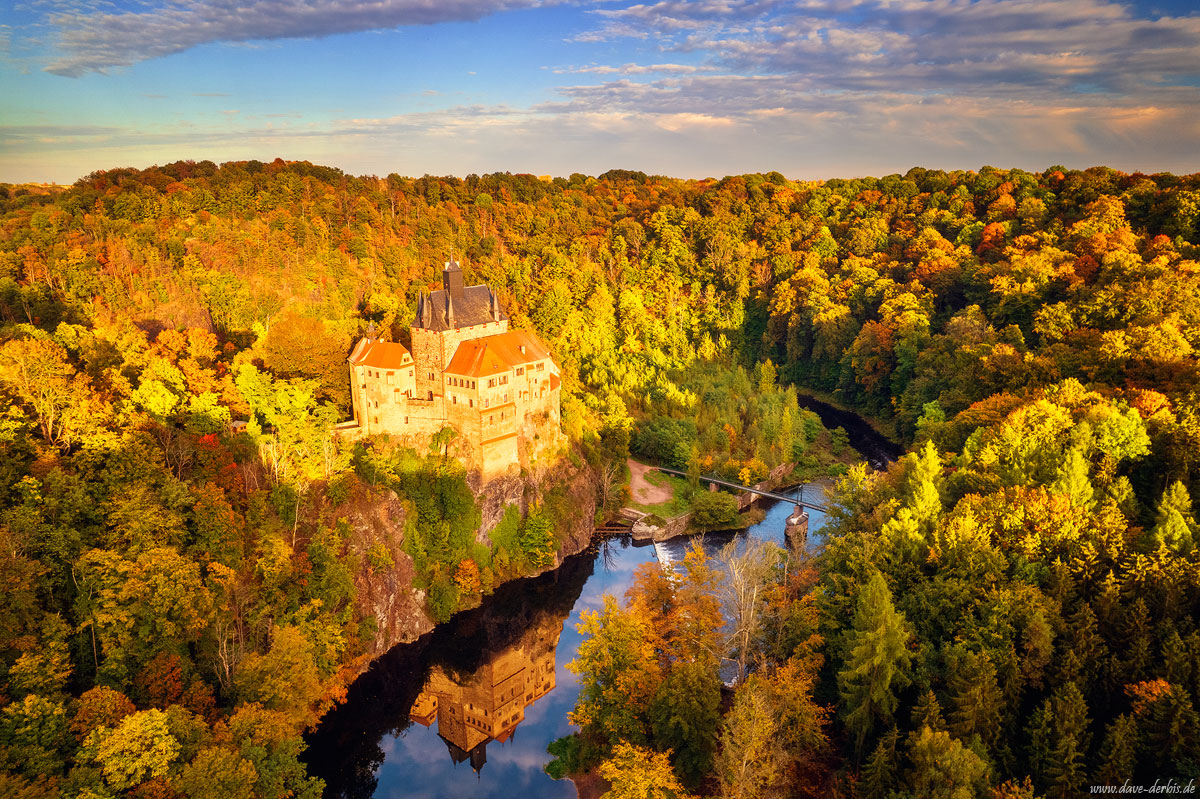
(638,773)
(618,674)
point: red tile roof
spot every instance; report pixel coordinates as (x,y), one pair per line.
(380,354)
(490,355)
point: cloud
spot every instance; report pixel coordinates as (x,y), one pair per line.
(95,40)
(637,69)
(811,89)
(938,79)
(998,47)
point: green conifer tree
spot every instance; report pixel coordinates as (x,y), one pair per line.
(877,663)
(1065,774)
(1072,480)
(879,776)
(975,697)
(1172,730)
(1040,737)
(1177,661)
(927,712)
(1174,525)
(1118,753)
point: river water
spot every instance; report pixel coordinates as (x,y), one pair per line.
(467,711)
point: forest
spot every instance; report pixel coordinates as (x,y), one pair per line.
(1010,610)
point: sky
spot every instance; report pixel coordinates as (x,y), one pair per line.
(813,89)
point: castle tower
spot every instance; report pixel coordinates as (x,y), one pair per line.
(447,318)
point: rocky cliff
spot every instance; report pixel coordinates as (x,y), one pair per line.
(574,482)
(376,517)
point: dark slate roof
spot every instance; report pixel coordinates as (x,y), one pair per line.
(471,306)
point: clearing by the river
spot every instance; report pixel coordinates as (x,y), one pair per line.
(643,491)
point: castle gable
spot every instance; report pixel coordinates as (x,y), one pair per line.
(482,357)
(380,354)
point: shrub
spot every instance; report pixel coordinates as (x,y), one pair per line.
(713,510)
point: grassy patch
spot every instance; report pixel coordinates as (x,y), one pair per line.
(680,501)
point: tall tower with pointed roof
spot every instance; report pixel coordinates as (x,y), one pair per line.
(447,318)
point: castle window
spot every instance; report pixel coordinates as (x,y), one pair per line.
(487,403)
(454,400)
(390,376)
(520,371)
(406,420)
(431,375)
(410,372)
(376,403)
(491,419)
(541,366)
(492,383)
(470,403)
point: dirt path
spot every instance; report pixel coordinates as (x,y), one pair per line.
(642,492)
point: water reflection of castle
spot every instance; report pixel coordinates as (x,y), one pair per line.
(486,705)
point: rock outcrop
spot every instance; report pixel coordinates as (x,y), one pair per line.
(532,487)
(384,580)
(376,518)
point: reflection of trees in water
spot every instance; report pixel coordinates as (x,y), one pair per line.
(345,750)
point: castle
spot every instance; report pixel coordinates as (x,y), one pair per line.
(498,388)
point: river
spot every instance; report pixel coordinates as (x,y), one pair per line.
(385,740)
(467,710)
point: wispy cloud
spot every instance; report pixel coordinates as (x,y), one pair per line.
(1003,47)
(636,69)
(1070,76)
(92,38)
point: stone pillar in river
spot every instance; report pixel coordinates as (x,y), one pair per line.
(795,531)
